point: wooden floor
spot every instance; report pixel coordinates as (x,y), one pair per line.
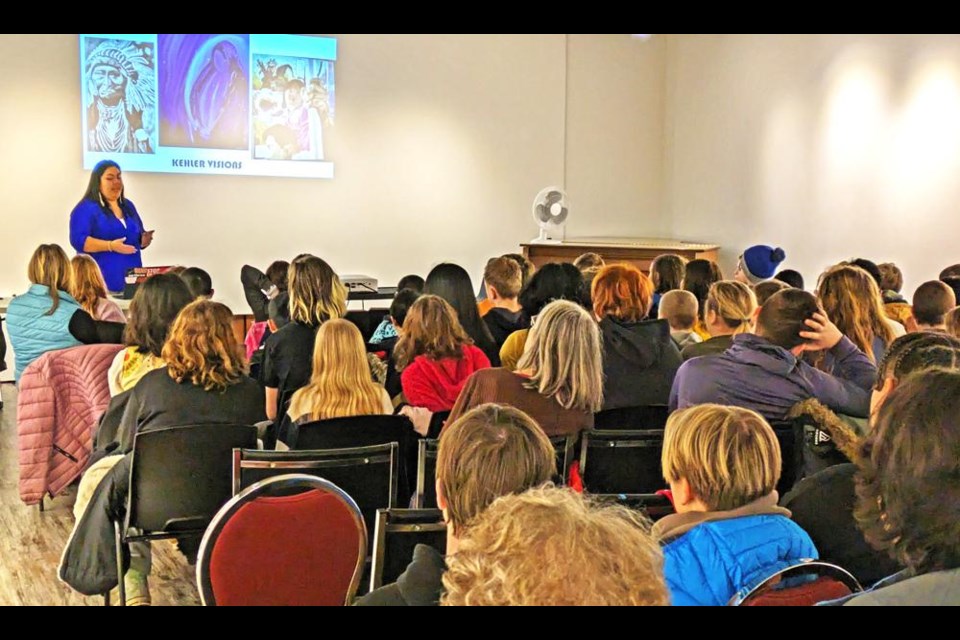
(31,542)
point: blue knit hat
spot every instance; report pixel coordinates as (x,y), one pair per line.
(760,262)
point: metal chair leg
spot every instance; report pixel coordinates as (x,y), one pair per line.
(120,586)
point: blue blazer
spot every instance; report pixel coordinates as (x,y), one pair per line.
(90,218)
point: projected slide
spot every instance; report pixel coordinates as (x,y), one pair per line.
(243,104)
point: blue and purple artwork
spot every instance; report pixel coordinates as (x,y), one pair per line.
(257,104)
(204,82)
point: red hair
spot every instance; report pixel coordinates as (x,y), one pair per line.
(622,291)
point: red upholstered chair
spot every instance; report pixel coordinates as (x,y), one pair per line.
(289,540)
(800,585)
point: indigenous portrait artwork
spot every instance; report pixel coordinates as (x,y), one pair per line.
(259,104)
(120,96)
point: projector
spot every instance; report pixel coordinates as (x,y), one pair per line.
(358,284)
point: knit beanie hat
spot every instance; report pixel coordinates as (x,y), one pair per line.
(760,262)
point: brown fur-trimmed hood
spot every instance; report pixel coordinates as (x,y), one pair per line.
(845,438)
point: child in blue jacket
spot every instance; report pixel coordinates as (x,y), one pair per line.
(728,535)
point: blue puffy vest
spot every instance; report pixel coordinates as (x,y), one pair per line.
(32,333)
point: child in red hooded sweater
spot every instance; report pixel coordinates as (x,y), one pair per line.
(435,356)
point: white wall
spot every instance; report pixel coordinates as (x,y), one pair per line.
(831,146)
(615,136)
(444,141)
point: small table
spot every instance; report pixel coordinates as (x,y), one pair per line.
(637,251)
(382,293)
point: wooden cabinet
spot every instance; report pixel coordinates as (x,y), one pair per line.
(637,251)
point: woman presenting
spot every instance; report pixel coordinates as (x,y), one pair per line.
(107,226)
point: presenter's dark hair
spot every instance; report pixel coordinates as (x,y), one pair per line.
(93,187)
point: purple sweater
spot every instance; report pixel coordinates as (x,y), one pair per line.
(756,374)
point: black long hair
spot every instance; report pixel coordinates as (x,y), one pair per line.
(452,283)
(93,187)
(93,191)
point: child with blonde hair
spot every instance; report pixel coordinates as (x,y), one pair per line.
(680,309)
(340,385)
(728,534)
(88,288)
(729,310)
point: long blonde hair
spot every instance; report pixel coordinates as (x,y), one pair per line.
(202,349)
(851,298)
(563,355)
(87,285)
(341,384)
(49,266)
(316,293)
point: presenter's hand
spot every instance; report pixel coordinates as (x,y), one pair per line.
(146,238)
(120,247)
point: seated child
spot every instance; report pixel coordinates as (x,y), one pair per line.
(680,308)
(387,329)
(728,534)
(278,313)
(502,279)
(891,283)
(398,315)
(932,301)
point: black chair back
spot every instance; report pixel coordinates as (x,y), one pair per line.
(425,497)
(354,431)
(437,421)
(366,321)
(398,531)
(363,431)
(621,461)
(180,476)
(367,474)
(565,448)
(641,418)
(790,436)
